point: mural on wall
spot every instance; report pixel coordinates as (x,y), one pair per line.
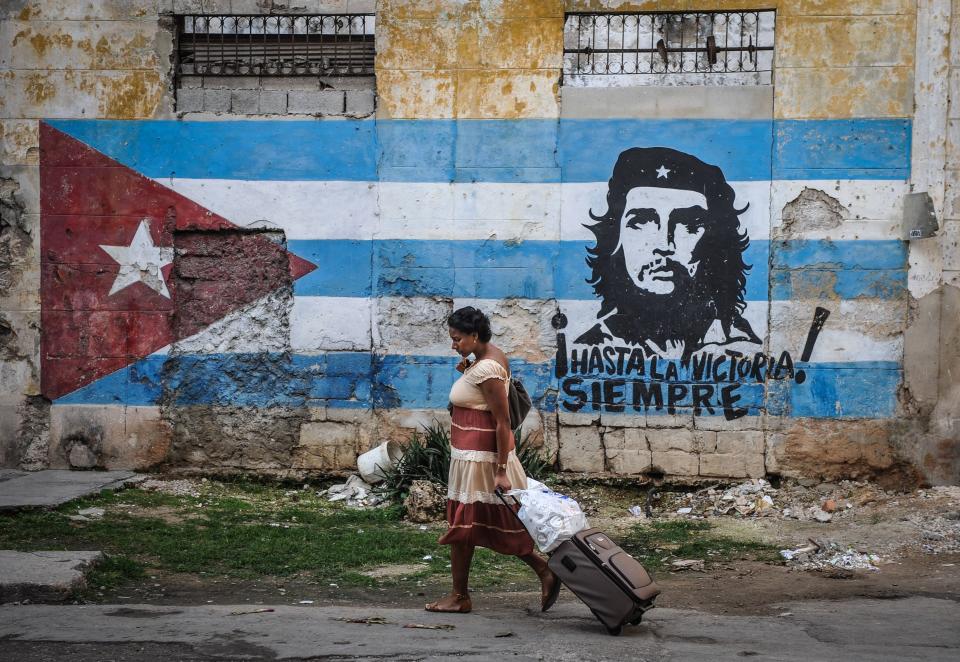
(668,268)
(677,289)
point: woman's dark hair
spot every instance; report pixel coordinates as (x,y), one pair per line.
(471,320)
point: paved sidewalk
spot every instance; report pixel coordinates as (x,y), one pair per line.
(42,576)
(915,628)
(48,489)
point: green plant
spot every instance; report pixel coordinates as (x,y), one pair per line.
(426,457)
(535,463)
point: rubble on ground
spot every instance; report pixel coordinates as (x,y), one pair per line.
(181,487)
(355,493)
(819,554)
(426,502)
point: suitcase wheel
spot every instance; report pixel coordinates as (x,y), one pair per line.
(615,632)
(637,620)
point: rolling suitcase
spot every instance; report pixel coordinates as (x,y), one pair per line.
(613,584)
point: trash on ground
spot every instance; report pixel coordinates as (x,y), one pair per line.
(433,626)
(355,493)
(637,511)
(365,620)
(688,564)
(264,610)
(818,555)
(501,635)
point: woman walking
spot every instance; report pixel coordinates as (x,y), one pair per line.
(483,459)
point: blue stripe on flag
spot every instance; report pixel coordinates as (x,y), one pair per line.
(571,150)
(548,269)
(361,380)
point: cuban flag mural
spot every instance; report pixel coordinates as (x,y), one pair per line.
(659,262)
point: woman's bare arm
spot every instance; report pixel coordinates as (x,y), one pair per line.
(496,396)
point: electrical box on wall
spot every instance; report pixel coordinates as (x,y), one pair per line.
(919,218)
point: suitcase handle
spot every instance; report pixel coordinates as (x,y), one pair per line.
(503,498)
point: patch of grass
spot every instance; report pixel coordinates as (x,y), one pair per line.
(241,530)
(110,573)
(658,543)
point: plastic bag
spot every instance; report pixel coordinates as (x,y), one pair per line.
(551,518)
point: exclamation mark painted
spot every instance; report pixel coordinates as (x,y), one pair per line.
(820,316)
(559,323)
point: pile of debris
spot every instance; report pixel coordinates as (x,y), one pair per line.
(182,487)
(355,493)
(758,498)
(820,554)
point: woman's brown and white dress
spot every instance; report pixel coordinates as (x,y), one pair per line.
(475,515)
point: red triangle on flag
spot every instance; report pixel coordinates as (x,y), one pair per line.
(109,291)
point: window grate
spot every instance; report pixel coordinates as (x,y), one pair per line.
(276,45)
(668,42)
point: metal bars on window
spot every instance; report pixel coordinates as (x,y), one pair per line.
(668,42)
(277,45)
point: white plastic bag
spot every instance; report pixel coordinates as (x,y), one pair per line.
(551,518)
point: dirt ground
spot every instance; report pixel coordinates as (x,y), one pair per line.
(914,537)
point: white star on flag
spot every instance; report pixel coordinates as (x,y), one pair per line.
(662,172)
(141,262)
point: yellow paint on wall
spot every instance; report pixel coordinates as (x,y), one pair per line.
(522,44)
(416,94)
(132,96)
(843,92)
(483,94)
(845,41)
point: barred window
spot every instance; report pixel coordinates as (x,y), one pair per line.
(650,48)
(276,45)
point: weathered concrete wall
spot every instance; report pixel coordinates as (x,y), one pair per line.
(289,310)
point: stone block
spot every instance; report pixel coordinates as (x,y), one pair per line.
(146,441)
(675,463)
(521,43)
(954,111)
(50,94)
(416,94)
(516,94)
(289,84)
(130,95)
(748,442)
(273,102)
(724,465)
(190,100)
(950,245)
(361,103)
(845,41)
(581,449)
(627,451)
(662,441)
(245,102)
(361,6)
(951,194)
(320,102)
(418,45)
(80,45)
(216,100)
(326,445)
(19,142)
(953,143)
(821,93)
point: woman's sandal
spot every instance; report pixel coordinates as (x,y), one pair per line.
(463,605)
(551,597)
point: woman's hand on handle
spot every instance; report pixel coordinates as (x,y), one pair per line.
(501,482)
